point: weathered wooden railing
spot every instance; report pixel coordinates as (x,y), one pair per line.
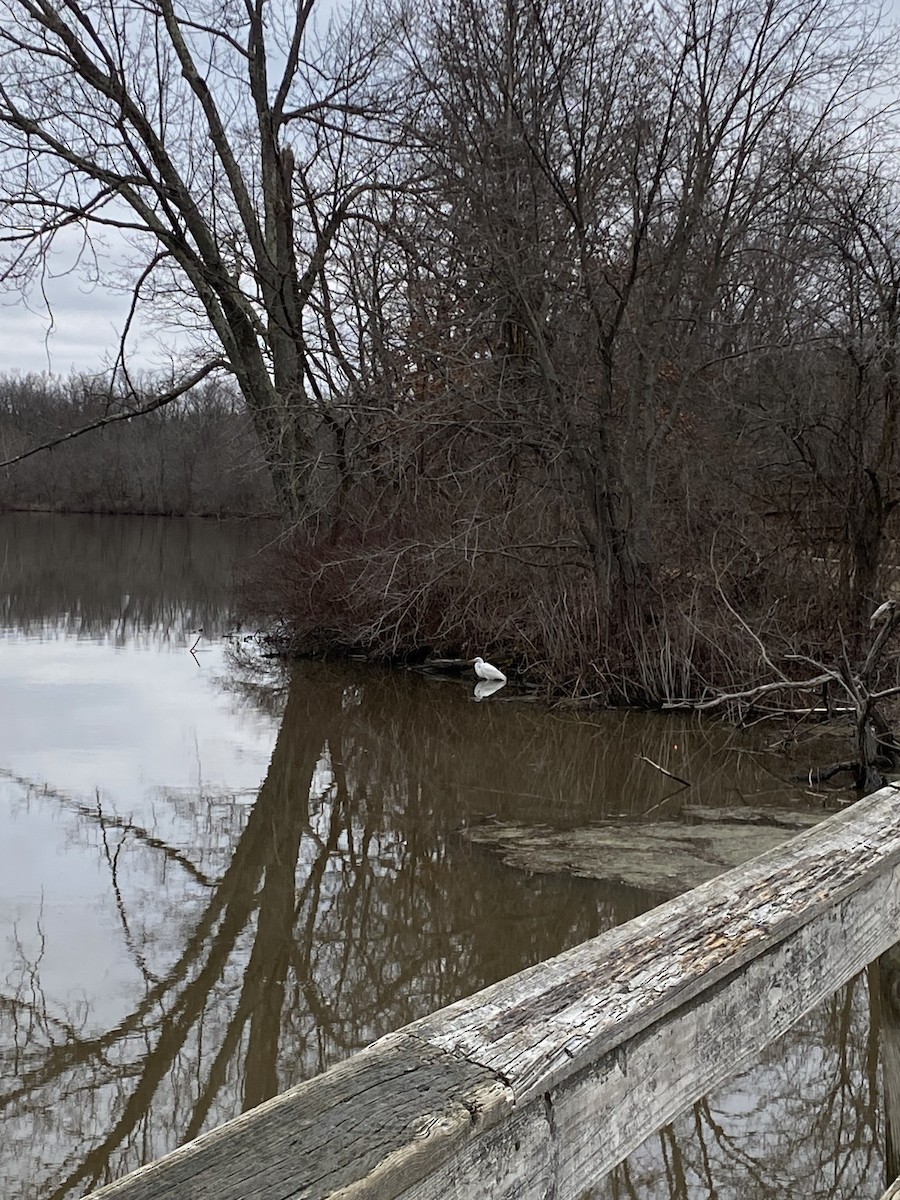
(539,1085)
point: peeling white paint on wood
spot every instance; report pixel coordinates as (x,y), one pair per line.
(540,1084)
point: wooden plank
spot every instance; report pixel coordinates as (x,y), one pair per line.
(893,1192)
(541,1083)
(541,1025)
(383,1115)
(589,1122)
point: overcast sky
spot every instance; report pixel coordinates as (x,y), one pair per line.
(84,331)
(86,325)
(87,319)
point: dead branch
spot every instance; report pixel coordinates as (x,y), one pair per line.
(159,402)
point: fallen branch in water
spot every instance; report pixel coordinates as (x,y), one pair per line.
(823,774)
(677,778)
(876,745)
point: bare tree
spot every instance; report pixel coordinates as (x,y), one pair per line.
(851,444)
(224,146)
(603,180)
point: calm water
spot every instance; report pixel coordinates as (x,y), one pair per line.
(217,879)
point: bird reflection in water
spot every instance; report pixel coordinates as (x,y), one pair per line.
(487,687)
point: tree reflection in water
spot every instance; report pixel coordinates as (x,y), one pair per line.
(804,1120)
(270,936)
(346,908)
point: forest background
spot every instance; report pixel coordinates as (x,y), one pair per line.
(563,332)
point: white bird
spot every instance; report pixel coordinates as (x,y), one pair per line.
(485,671)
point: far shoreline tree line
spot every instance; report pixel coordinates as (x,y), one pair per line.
(200,457)
(566,333)
(197,457)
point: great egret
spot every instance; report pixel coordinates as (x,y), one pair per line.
(485,671)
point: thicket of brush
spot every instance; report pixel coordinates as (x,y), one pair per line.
(455,544)
(624,402)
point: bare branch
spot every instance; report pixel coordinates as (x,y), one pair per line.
(166,398)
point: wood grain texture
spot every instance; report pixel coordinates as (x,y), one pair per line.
(542,1025)
(594,1119)
(540,1084)
(385,1115)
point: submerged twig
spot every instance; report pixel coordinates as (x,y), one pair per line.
(677,778)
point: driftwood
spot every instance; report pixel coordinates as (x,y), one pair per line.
(442,666)
(823,774)
(877,748)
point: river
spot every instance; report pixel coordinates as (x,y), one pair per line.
(219,876)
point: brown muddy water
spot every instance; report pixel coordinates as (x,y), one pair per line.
(217,878)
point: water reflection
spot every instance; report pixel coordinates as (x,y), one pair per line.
(218,882)
(487,687)
(119,578)
(806,1119)
(344,906)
